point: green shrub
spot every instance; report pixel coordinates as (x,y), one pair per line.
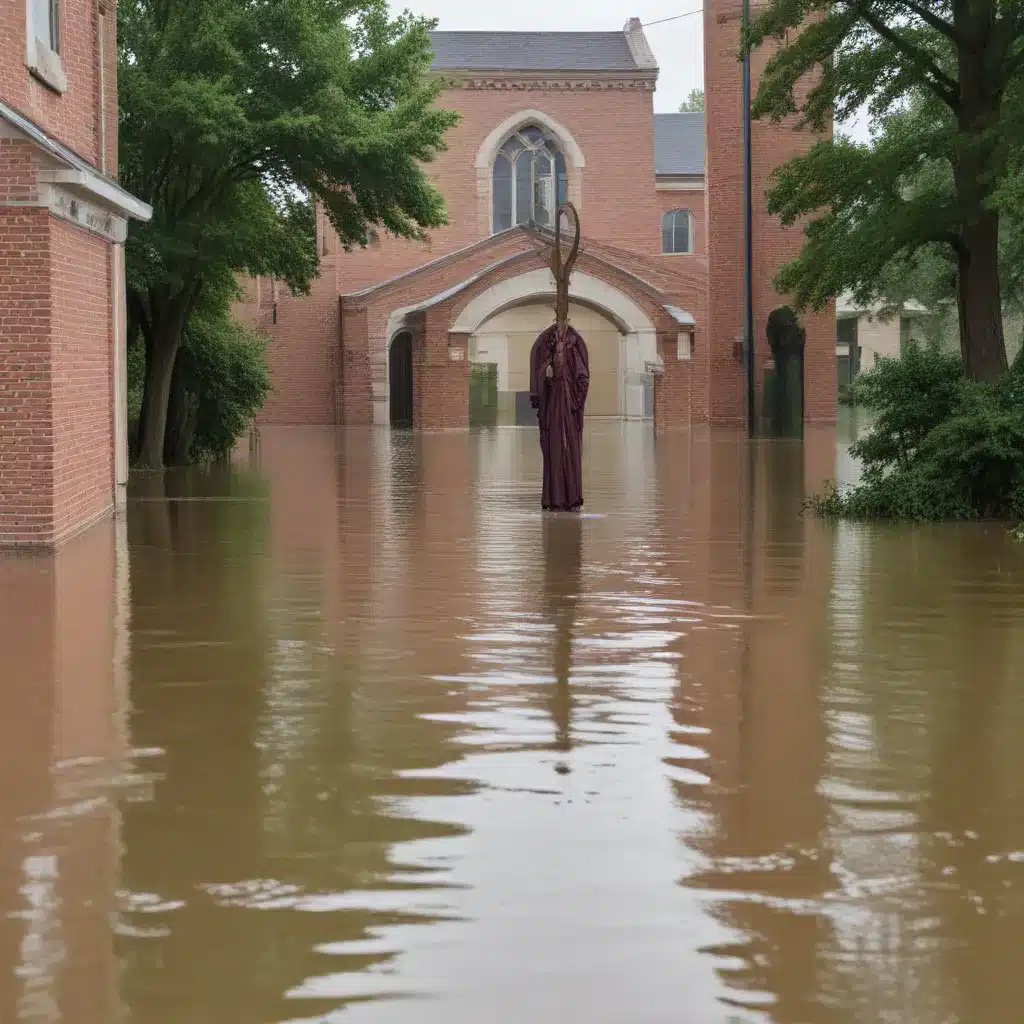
(941,447)
(225,368)
(221,381)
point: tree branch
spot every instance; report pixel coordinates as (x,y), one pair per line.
(932,20)
(945,87)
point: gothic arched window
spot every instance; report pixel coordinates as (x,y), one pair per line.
(530,180)
(677,231)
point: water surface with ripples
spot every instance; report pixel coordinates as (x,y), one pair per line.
(350,731)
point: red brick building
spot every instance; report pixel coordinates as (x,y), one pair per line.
(390,333)
(63,217)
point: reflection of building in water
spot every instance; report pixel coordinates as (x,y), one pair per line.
(749,724)
(63,751)
(288,704)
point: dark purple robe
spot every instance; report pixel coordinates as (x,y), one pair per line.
(559,400)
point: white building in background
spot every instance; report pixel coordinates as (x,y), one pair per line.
(863,335)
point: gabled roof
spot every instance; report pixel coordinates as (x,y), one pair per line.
(532,51)
(679,143)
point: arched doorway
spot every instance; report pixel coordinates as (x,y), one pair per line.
(502,343)
(400,379)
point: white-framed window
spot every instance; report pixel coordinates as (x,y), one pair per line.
(677,231)
(529,180)
(43,43)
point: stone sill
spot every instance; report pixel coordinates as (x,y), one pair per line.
(46,65)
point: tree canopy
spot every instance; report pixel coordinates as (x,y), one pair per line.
(236,115)
(693,103)
(941,80)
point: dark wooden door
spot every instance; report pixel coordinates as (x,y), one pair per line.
(400,377)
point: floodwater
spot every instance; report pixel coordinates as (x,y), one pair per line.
(350,732)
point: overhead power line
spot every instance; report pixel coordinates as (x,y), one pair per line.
(675,17)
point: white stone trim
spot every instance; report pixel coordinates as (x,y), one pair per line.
(489,147)
(99,190)
(583,288)
(40,59)
(83,214)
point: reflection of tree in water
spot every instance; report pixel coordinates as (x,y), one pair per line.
(750,694)
(931,669)
(281,762)
(563,554)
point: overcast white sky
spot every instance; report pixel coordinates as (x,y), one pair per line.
(678,45)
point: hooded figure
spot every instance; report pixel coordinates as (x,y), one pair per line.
(559,381)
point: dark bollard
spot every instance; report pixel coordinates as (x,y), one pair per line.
(784,381)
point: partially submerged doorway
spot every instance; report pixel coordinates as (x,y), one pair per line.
(400,380)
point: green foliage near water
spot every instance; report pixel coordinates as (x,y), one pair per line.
(222,380)
(940,189)
(235,116)
(941,447)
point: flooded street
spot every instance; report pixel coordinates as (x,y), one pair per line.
(351,732)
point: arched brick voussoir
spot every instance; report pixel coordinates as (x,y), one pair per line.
(651,302)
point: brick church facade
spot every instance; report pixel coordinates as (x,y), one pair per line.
(391,333)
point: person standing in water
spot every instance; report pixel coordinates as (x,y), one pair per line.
(559,381)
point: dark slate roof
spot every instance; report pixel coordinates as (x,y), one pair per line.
(532,51)
(679,143)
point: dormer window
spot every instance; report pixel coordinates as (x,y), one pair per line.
(530,180)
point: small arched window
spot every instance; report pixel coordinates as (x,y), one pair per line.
(677,231)
(530,180)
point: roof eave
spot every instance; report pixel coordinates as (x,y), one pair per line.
(604,74)
(76,173)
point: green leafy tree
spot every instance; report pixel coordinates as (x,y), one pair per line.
(943,79)
(693,103)
(234,115)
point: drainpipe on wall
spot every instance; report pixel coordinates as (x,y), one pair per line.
(118,312)
(748,242)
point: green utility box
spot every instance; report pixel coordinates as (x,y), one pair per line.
(483,395)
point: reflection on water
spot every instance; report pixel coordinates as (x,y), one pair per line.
(349,730)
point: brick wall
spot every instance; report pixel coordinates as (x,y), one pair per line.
(56,377)
(82,377)
(771,145)
(672,387)
(440,385)
(72,116)
(303,351)
(26,398)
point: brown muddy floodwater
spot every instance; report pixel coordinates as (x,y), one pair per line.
(350,732)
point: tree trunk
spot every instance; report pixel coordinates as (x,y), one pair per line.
(979,161)
(159,372)
(181,417)
(978,299)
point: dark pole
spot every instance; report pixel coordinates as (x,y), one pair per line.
(748,245)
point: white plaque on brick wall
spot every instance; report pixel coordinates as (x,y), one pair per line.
(456,355)
(70,208)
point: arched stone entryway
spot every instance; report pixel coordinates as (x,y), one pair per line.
(502,321)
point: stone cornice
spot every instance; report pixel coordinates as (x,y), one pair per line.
(553,81)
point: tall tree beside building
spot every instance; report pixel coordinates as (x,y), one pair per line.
(230,109)
(694,103)
(944,81)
